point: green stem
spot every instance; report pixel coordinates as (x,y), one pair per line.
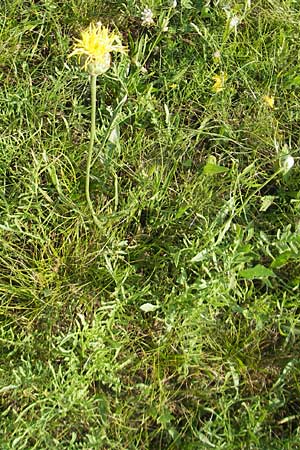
(91,147)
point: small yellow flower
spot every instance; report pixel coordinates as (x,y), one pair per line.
(219,82)
(269,101)
(95,45)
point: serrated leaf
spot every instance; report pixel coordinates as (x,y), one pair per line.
(148,307)
(213,169)
(267,201)
(187,4)
(200,256)
(281,259)
(257,272)
(205,440)
(165,418)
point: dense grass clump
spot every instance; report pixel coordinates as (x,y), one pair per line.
(174,323)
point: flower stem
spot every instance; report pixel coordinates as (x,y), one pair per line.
(91,147)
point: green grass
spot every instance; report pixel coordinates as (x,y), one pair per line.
(196,219)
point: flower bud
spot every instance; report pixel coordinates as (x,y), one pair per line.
(99,68)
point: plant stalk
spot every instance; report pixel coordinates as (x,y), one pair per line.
(90,150)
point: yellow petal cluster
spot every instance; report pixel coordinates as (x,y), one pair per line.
(269,100)
(96,45)
(219,82)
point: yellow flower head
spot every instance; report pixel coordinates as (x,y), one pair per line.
(269,101)
(219,82)
(95,45)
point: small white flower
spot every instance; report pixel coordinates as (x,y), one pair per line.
(217,55)
(149,307)
(147,17)
(234,21)
(173,3)
(287,163)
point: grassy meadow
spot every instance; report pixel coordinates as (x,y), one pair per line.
(174,322)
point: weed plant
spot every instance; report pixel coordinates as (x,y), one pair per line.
(174,323)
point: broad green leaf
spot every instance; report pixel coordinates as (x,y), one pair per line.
(187,163)
(259,271)
(213,169)
(181,211)
(296,80)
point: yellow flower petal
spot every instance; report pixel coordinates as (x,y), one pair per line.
(96,44)
(269,100)
(219,82)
